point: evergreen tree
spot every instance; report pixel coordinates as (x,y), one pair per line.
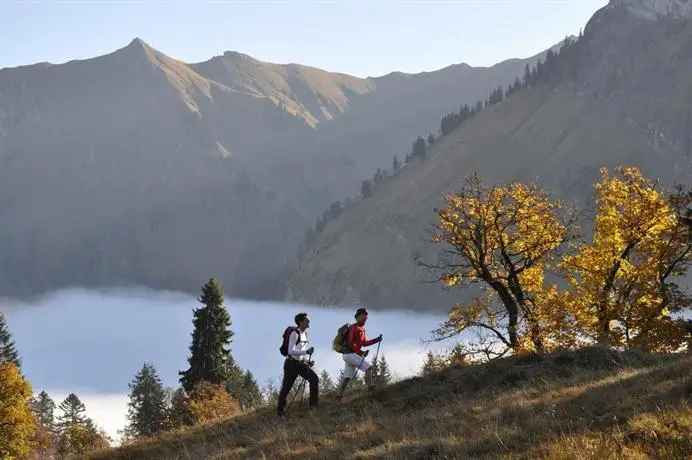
(366,189)
(252,396)
(326,383)
(431,364)
(72,412)
(179,412)
(80,438)
(418,149)
(147,406)
(8,350)
(382,376)
(431,140)
(527,76)
(234,383)
(210,337)
(517,84)
(242,386)
(379,176)
(395,165)
(335,209)
(44,408)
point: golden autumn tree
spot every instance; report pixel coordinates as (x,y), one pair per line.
(17,421)
(624,279)
(504,238)
(210,401)
(80,439)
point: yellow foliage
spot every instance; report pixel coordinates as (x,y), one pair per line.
(504,237)
(210,401)
(17,421)
(81,438)
(622,294)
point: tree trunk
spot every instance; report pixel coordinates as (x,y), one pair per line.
(512,310)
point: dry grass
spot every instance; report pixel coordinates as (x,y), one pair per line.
(568,405)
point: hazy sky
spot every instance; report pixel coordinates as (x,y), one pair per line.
(360,37)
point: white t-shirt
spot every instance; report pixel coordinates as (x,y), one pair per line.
(298,349)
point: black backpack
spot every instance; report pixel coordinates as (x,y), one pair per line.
(283,349)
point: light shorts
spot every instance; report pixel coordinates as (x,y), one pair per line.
(353,363)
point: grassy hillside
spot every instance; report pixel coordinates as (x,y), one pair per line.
(589,404)
(614,107)
(137,168)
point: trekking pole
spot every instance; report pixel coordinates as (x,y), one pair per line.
(302,394)
(377,353)
(300,389)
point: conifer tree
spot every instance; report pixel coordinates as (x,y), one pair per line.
(81,438)
(179,412)
(8,349)
(396,165)
(326,383)
(430,364)
(382,376)
(147,406)
(527,76)
(365,189)
(72,412)
(242,385)
(78,434)
(418,149)
(44,409)
(210,339)
(378,177)
(234,383)
(45,437)
(251,396)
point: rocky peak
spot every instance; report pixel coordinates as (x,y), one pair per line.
(654,9)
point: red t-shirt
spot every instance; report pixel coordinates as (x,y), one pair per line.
(356,339)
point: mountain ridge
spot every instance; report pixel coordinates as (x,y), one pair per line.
(137,168)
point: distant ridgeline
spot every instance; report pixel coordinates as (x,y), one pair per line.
(558,65)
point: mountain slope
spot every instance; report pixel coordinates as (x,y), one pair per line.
(137,168)
(589,404)
(625,100)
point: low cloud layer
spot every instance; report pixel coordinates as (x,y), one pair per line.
(93,342)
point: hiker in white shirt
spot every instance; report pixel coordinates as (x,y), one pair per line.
(298,362)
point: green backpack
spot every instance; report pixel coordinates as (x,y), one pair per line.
(340,343)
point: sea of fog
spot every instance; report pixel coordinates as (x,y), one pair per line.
(92,343)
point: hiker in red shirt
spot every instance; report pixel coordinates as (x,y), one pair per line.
(356,358)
